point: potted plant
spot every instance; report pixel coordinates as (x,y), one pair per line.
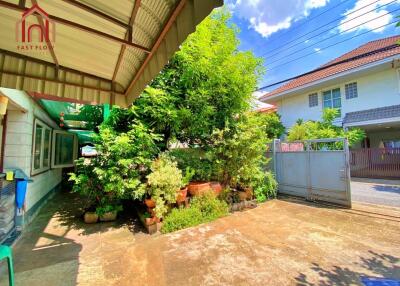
(216,187)
(202,175)
(150,203)
(108,212)
(182,193)
(90,217)
(163,182)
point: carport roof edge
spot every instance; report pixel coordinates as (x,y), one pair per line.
(104,53)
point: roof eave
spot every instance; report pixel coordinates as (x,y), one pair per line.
(273,98)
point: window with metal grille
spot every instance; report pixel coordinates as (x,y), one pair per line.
(332,99)
(313,100)
(351,90)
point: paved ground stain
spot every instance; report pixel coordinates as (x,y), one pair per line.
(281,242)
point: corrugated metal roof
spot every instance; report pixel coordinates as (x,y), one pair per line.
(372,114)
(88,46)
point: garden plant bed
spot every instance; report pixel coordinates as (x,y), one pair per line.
(152,226)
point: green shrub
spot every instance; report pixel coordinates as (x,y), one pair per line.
(120,168)
(266,189)
(197,160)
(210,207)
(325,128)
(203,209)
(181,218)
(164,181)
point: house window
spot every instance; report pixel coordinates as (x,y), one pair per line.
(65,149)
(351,90)
(332,99)
(41,147)
(313,100)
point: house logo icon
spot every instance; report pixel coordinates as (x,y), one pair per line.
(41,32)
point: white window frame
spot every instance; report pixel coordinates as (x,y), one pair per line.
(53,149)
(398,78)
(340,97)
(313,95)
(346,89)
(41,169)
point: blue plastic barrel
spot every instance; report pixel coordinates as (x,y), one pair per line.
(21,192)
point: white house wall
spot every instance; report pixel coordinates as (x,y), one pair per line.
(375,90)
(18,145)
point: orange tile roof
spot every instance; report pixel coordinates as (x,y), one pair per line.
(365,54)
(268,109)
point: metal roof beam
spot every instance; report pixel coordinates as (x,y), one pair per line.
(97,13)
(157,43)
(79,27)
(49,45)
(128,36)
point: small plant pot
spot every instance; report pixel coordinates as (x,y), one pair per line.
(249,193)
(90,217)
(150,203)
(182,193)
(216,187)
(242,196)
(198,188)
(150,220)
(109,216)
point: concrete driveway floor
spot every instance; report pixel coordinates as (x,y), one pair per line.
(376,191)
(281,242)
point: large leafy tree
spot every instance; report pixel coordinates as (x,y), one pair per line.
(324,129)
(203,86)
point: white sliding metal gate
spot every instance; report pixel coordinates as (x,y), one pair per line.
(316,170)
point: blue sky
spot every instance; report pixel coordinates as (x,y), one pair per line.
(267,27)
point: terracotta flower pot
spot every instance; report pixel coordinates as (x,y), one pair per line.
(198,188)
(150,203)
(182,193)
(249,192)
(217,188)
(109,216)
(90,217)
(242,195)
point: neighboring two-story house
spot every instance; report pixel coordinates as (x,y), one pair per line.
(364,84)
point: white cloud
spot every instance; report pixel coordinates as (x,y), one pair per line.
(265,30)
(380,15)
(270,16)
(317,50)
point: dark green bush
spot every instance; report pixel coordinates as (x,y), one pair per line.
(197,160)
(203,209)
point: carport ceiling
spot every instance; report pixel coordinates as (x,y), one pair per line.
(104,51)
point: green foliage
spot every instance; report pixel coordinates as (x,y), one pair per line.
(210,207)
(92,114)
(118,172)
(239,152)
(324,129)
(273,125)
(163,182)
(101,210)
(189,173)
(181,218)
(199,161)
(203,209)
(267,188)
(207,82)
